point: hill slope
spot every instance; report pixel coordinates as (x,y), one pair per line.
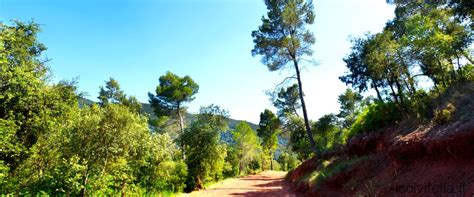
(147,109)
(411,158)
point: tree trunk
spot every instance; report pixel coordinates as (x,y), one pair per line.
(410,78)
(400,92)
(466,55)
(303,106)
(393,93)
(378,92)
(181,126)
(241,166)
(271,160)
(123,188)
(84,182)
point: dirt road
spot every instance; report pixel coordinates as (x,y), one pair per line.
(268,183)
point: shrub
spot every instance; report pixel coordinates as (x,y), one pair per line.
(288,161)
(171,176)
(444,115)
(374,117)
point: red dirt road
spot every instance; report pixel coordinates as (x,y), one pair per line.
(268,183)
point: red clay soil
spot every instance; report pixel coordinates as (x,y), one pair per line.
(428,161)
(409,159)
(268,183)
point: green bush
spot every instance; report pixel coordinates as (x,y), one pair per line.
(444,115)
(171,176)
(288,161)
(421,104)
(331,168)
(374,117)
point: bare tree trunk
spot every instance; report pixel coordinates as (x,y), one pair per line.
(406,70)
(241,166)
(467,56)
(181,126)
(394,93)
(123,188)
(271,160)
(84,182)
(400,92)
(378,92)
(303,106)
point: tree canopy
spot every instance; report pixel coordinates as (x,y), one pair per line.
(283,38)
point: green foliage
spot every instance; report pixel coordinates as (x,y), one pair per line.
(28,106)
(282,39)
(288,160)
(172,92)
(350,102)
(247,145)
(299,143)
(51,144)
(171,176)
(287,101)
(268,131)
(332,167)
(374,117)
(205,152)
(420,104)
(442,116)
(113,94)
(327,133)
(422,37)
(232,161)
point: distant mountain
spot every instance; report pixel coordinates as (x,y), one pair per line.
(146,107)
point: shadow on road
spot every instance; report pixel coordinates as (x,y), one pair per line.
(271,187)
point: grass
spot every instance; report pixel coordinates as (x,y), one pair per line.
(331,168)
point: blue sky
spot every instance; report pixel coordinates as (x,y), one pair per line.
(136,42)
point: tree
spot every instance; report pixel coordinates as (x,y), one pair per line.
(463,9)
(247,144)
(329,133)
(283,38)
(287,101)
(358,75)
(268,130)
(112,94)
(349,102)
(109,141)
(298,142)
(205,151)
(171,95)
(30,107)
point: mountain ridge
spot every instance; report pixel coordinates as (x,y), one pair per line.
(147,109)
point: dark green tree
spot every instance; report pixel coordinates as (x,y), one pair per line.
(287,101)
(172,94)
(247,145)
(112,94)
(30,107)
(283,39)
(205,150)
(298,141)
(349,105)
(268,130)
(329,134)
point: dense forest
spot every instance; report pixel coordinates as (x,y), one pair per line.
(55,141)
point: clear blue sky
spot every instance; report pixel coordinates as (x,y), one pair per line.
(136,41)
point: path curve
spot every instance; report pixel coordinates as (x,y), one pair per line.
(268,183)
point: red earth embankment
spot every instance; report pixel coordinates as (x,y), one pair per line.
(409,159)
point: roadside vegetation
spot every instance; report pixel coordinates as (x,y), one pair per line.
(54,142)
(403,122)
